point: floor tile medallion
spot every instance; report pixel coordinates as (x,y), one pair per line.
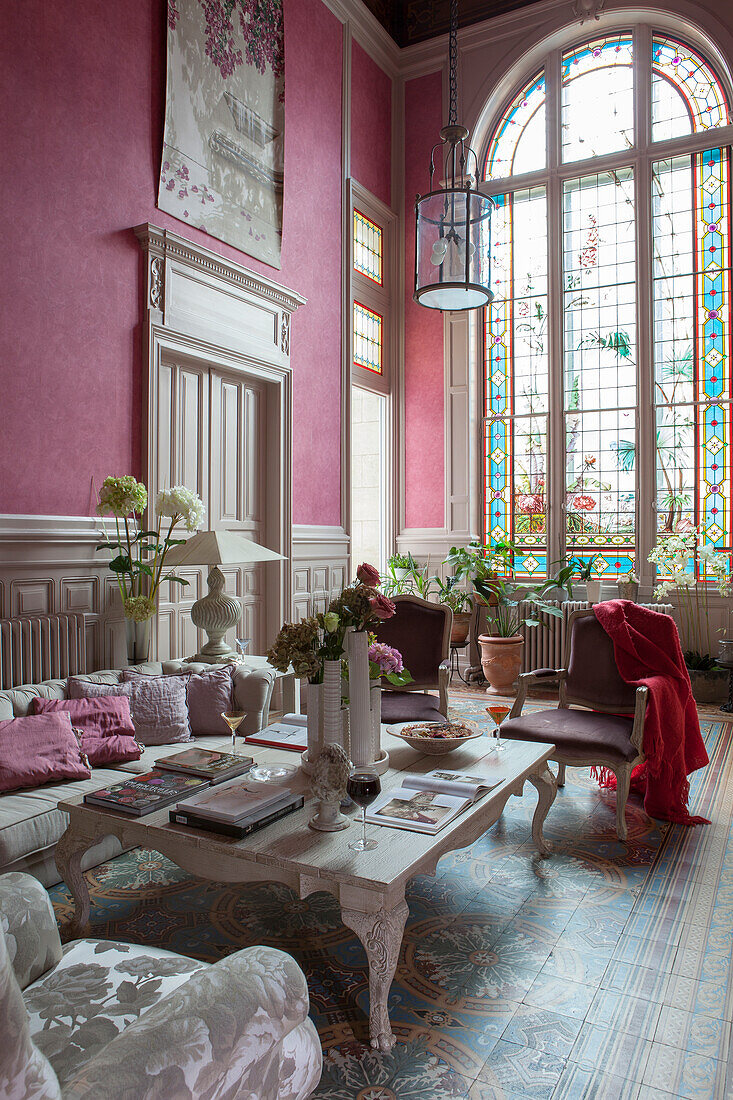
(518,977)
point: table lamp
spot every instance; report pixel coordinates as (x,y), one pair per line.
(216,612)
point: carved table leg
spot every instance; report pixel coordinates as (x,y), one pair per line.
(381,935)
(68,854)
(546,785)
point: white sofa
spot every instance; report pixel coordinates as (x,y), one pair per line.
(30,823)
(104,1019)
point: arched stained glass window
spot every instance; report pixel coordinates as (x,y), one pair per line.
(608,387)
(518,144)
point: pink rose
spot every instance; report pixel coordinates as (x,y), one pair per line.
(382,608)
(368,575)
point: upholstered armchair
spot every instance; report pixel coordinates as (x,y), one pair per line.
(608,733)
(421,632)
(105,1019)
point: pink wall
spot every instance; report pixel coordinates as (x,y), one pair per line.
(82,96)
(424,386)
(371,125)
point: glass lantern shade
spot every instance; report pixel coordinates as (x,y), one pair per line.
(452,249)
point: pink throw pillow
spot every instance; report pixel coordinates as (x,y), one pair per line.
(157,705)
(104,725)
(207,695)
(39,749)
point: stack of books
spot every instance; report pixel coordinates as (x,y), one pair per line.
(181,774)
(236,808)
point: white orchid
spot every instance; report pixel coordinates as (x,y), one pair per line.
(689,566)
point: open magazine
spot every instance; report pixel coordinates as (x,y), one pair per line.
(426,803)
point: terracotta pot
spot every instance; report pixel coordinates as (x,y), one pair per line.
(501,660)
(460,628)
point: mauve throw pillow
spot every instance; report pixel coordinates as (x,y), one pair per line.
(157,705)
(207,695)
(39,749)
(104,725)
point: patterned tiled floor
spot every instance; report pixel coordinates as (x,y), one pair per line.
(602,972)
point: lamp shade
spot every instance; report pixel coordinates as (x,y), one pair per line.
(220,548)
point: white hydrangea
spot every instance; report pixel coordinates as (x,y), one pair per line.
(182,503)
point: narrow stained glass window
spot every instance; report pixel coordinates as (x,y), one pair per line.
(516,356)
(686,94)
(599,312)
(367,247)
(368,340)
(519,141)
(692,344)
(598,98)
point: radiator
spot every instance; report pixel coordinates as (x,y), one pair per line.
(41,647)
(544,646)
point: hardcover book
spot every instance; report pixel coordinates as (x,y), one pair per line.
(141,794)
(207,764)
(281,735)
(234,800)
(238,829)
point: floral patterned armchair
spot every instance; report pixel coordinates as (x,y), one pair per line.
(99,1018)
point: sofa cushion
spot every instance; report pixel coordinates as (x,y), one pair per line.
(16,702)
(207,695)
(582,732)
(97,989)
(157,705)
(105,724)
(30,821)
(39,749)
(24,1071)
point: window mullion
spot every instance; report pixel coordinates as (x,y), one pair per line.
(556,426)
(646,432)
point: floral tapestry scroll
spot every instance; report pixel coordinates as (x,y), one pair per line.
(222,166)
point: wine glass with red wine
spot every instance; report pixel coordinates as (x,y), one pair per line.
(363,786)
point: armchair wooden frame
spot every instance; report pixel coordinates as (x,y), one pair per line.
(443,677)
(563,758)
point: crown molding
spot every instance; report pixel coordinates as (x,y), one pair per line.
(369,33)
(164,245)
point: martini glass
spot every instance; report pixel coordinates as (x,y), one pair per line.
(233,719)
(498,712)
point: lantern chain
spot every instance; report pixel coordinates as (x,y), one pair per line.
(452,63)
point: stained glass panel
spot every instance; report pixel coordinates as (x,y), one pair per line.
(367,338)
(692,288)
(599,310)
(516,380)
(519,143)
(367,247)
(686,94)
(598,98)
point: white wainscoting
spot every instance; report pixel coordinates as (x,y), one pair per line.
(48,564)
(320,567)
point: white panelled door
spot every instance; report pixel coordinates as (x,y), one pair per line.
(210,429)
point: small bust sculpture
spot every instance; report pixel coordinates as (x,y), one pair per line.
(330,774)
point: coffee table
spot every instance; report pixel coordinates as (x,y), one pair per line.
(369,886)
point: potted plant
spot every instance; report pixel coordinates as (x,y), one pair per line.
(501,647)
(400,566)
(583,569)
(628,585)
(139,556)
(688,567)
(460,603)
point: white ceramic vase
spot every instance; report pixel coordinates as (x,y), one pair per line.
(365,705)
(325,718)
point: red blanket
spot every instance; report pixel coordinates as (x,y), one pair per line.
(647,649)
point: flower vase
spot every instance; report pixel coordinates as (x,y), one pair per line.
(314,704)
(325,719)
(138,641)
(364,728)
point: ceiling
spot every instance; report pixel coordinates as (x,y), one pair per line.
(410,21)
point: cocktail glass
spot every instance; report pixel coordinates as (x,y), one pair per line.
(498,712)
(233,719)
